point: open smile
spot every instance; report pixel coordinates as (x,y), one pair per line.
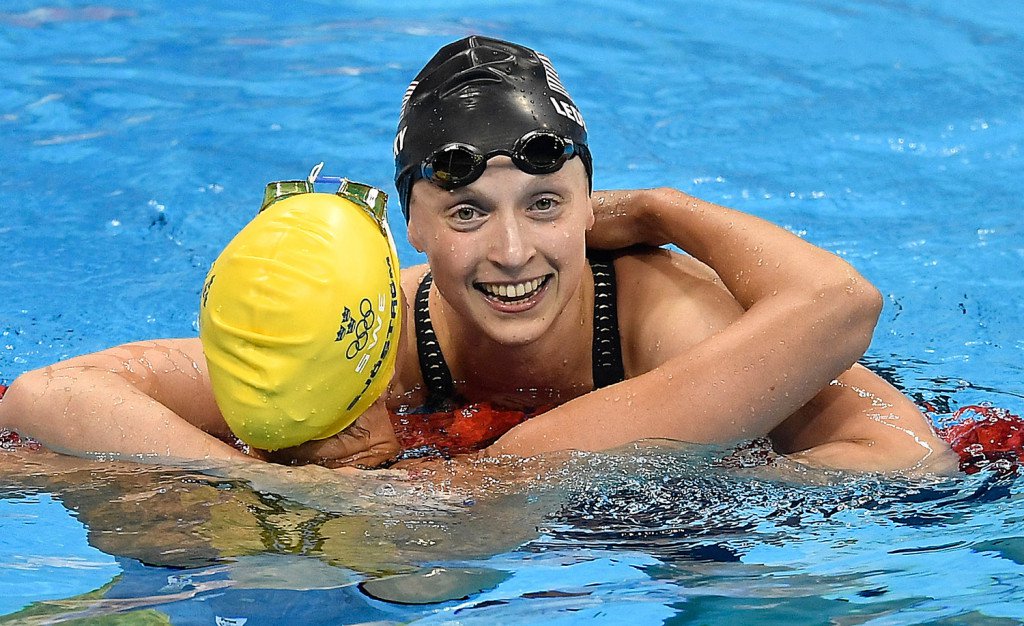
(521,293)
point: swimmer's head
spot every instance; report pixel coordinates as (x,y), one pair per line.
(300,315)
(478,98)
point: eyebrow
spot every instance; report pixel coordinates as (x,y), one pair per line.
(488,201)
(539,184)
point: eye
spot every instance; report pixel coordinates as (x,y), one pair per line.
(465,213)
(546,207)
(465,217)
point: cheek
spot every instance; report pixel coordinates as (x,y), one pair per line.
(566,250)
(427,236)
(571,234)
(450,260)
(569,243)
(453,276)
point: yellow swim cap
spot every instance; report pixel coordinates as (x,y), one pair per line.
(299,320)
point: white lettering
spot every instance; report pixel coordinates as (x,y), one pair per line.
(400,140)
(380,322)
(558,107)
(568,111)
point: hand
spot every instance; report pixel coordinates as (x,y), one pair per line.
(367,442)
(623,219)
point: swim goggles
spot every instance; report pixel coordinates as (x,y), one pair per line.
(458,164)
(367,197)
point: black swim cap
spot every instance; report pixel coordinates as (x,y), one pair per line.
(484,93)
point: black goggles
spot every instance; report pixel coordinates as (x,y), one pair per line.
(458,164)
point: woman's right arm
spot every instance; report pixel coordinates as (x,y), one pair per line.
(154,398)
(151,398)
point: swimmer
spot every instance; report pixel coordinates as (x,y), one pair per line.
(299,316)
(751,332)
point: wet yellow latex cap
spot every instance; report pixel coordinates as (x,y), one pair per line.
(299,320)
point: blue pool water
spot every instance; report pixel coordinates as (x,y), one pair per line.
(135,140)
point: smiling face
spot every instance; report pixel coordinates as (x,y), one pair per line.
(508,252)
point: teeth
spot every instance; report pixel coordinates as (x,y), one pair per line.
(518,290)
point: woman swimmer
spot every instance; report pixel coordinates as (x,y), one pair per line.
(756,333)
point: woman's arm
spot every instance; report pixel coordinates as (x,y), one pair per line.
(154,399)
(807,317)
(757,261)
(858,421)
(861,422)
(150,398)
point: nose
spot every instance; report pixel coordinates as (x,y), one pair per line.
(511,243)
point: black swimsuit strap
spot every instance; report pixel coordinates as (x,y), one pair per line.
(607,347)
(436,375)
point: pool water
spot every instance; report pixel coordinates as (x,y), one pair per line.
(135,140)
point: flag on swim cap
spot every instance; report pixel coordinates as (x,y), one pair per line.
(486,93)
(299,320)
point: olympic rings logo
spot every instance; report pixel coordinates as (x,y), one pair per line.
(362,328)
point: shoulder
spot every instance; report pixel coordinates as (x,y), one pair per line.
(157,354)
(411,278)
(668,302)
(407,384)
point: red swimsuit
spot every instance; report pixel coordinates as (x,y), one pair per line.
(467,429)
(10,439)
(988,435)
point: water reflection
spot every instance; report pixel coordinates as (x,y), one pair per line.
(697,524)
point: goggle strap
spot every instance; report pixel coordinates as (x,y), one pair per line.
(315,172)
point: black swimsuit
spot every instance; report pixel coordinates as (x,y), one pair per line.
(607,349)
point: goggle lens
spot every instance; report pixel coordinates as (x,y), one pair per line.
(369,198)
(543,152)
(459,164)
(453,166)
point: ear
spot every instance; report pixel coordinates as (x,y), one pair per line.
(414,232)
(414,227)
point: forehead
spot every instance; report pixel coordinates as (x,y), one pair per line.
(503,181)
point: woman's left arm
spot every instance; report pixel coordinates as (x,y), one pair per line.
(740,383)
(807,316)
(858,421)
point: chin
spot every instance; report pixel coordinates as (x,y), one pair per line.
(515,333)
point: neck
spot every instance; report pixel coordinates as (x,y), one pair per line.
(557,363)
